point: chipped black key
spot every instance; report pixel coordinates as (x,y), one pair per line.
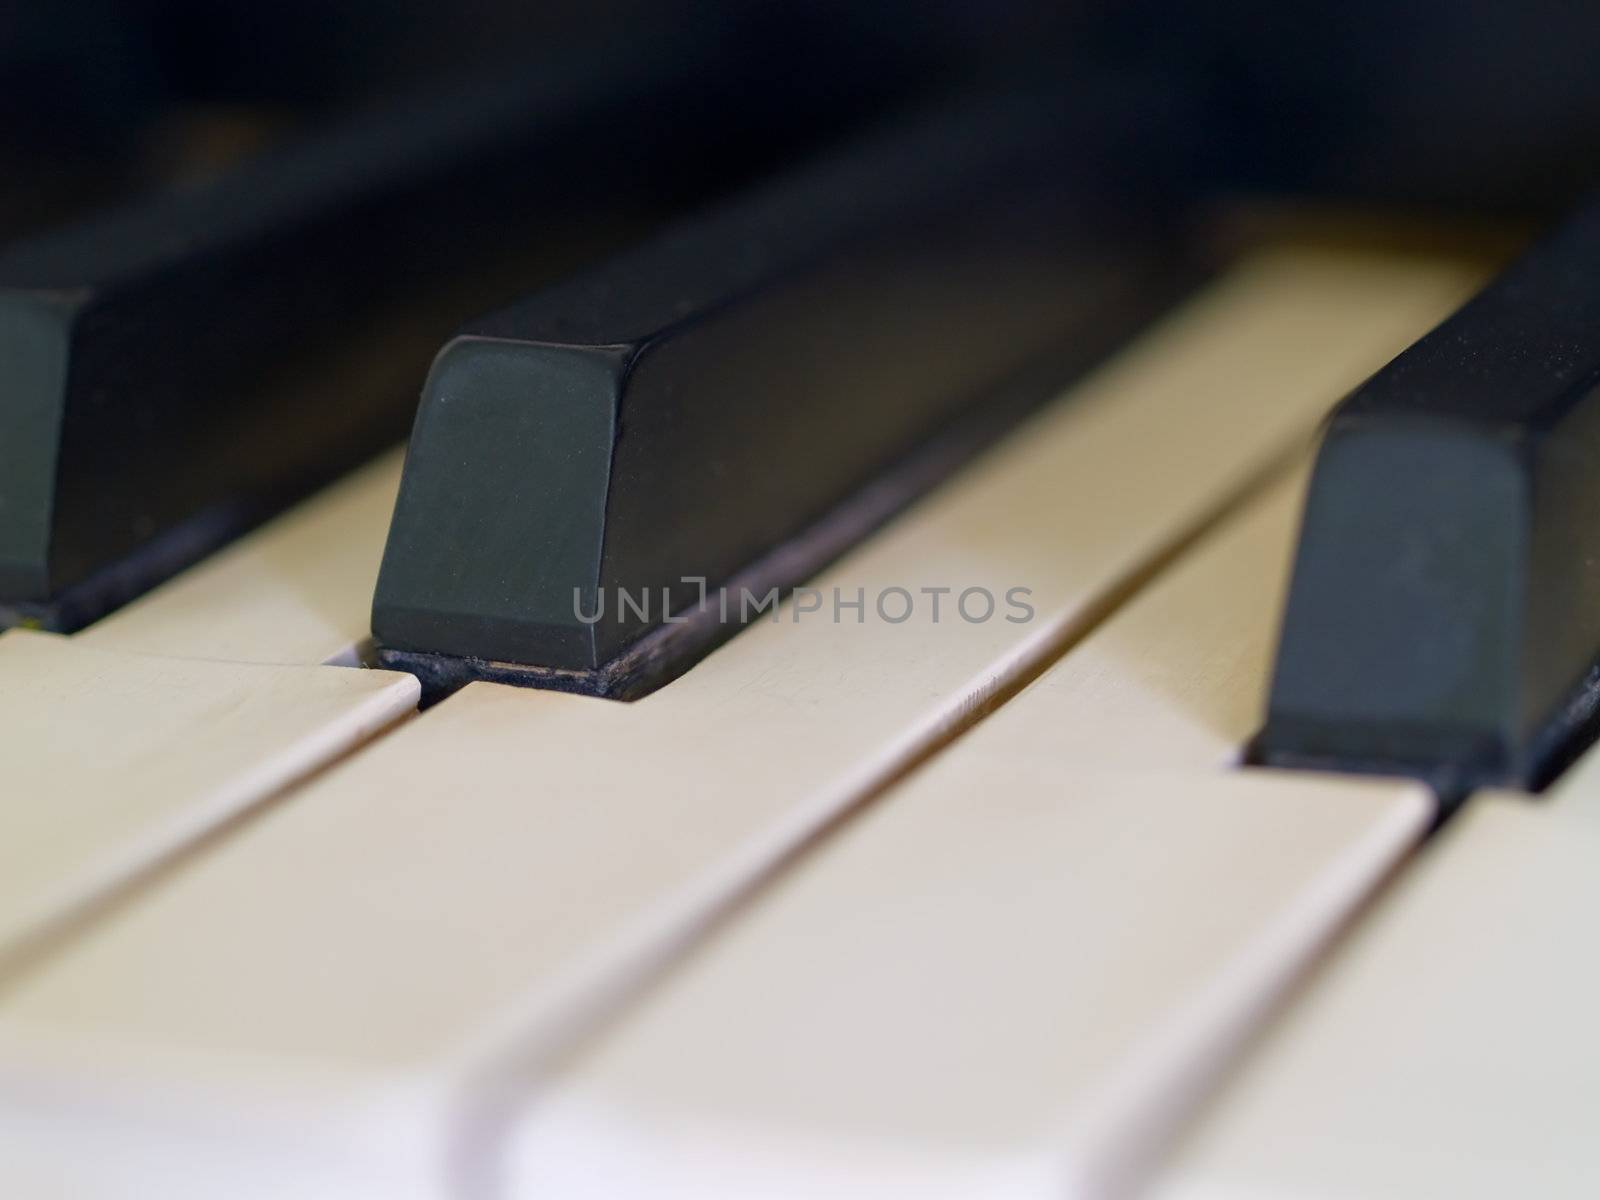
(1444,615)
(705,414)
(174,371)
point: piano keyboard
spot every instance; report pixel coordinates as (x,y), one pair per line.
(1004,850)
(792,923)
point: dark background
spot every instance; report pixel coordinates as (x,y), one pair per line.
(1478,105)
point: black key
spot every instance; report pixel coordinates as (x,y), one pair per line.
(712,405)
(175,371)
(1444,617)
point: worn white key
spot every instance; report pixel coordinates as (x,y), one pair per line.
(297,590)
(1011,977)
(1448,1050)
(1177,676)
(114,762)
(465,889)
(1005,982)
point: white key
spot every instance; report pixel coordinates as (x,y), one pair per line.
(1177,676)
(1006,982)
(454,897)
(297,590)
(114,762)
(1010,978)
(1448,1050)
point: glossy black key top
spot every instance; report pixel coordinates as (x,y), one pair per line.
(704,411)
(176,370)
(1444,615)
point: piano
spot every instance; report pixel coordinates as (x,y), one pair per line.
(739,600)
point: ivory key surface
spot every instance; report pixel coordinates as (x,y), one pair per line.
(114,762)
(1448,1049)
(1176,676)
(1001,983)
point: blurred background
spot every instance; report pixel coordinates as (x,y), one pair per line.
(1465,105)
